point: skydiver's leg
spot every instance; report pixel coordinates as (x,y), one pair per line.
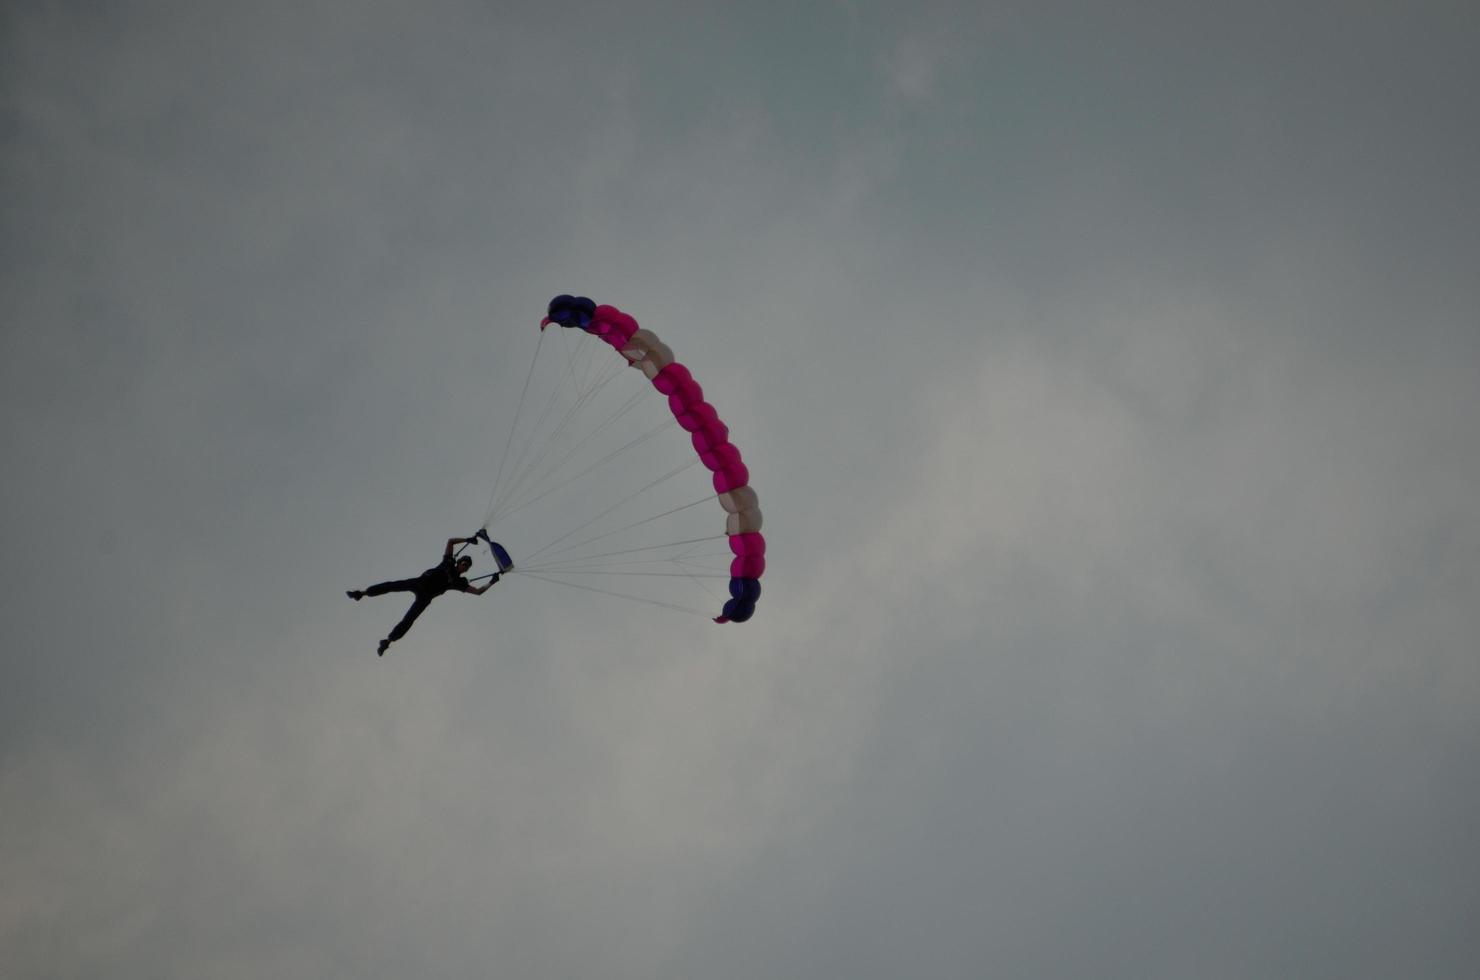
(417,608)
(400,585)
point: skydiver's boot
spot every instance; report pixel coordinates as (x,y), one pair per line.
(380,651)
(355,594)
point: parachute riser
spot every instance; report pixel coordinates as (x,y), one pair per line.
(500,556)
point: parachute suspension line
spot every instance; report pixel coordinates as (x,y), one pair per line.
(586,365)
(619,557)
(578,377)
(640,490)
(622,595)
(551,470)
(631,568)
(529,440)
(577,368)
(682,566)
(697,580)
(586,389)
(518,470)
(539,452)
(576,476)
(634,399)
(683,563)
(583,550)
(654,547)
(597,571)
(579,351)
(493,494)
(607,534)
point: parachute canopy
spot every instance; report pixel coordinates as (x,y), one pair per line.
(708,434)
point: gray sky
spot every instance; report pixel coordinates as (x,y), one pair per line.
(1109,375)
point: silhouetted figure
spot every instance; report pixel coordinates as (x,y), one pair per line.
(447,576)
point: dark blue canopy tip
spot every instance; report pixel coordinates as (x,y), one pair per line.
(738,610)
(746,589)
(571,311)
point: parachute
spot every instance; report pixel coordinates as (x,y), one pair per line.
(505,563)
(499,552)
(708,437)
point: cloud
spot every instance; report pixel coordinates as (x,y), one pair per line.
(1118,473)
(1151,621)
(912,69)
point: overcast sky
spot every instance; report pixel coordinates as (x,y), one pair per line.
(1109,374)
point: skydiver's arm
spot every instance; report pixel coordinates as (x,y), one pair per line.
(452,541)
(480,589)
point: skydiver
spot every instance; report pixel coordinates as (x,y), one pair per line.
(445,577)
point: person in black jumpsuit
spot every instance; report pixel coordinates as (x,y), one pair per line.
(445,577)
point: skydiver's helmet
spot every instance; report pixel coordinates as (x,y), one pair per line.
(463,564)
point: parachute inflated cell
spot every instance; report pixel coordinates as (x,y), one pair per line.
(710,436)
